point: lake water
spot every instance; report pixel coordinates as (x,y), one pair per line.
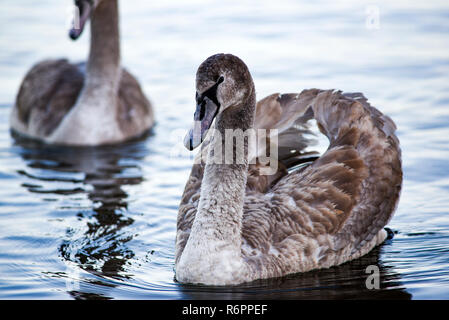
(101,222)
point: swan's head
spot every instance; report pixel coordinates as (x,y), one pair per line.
(222,82)
(81,13)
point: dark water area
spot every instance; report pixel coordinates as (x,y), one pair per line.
(100,223)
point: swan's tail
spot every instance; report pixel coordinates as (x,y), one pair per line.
(349,121)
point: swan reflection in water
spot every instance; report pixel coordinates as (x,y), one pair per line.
(98,174)
(101,245)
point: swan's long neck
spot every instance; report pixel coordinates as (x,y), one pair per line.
(93,119)
(213,251)
(223,186)
(103,66)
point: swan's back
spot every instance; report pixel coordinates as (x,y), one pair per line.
(325,213)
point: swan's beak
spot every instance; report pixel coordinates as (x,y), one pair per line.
(205,114)
(81,13)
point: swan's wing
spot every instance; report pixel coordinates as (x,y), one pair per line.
(286,116)
(283,117)
(47,93)
(134,111)
(258,180)
(352,190)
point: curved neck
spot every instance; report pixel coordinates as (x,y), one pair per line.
(103,66)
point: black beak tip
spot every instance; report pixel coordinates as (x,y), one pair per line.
(190,145)
(73,34)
